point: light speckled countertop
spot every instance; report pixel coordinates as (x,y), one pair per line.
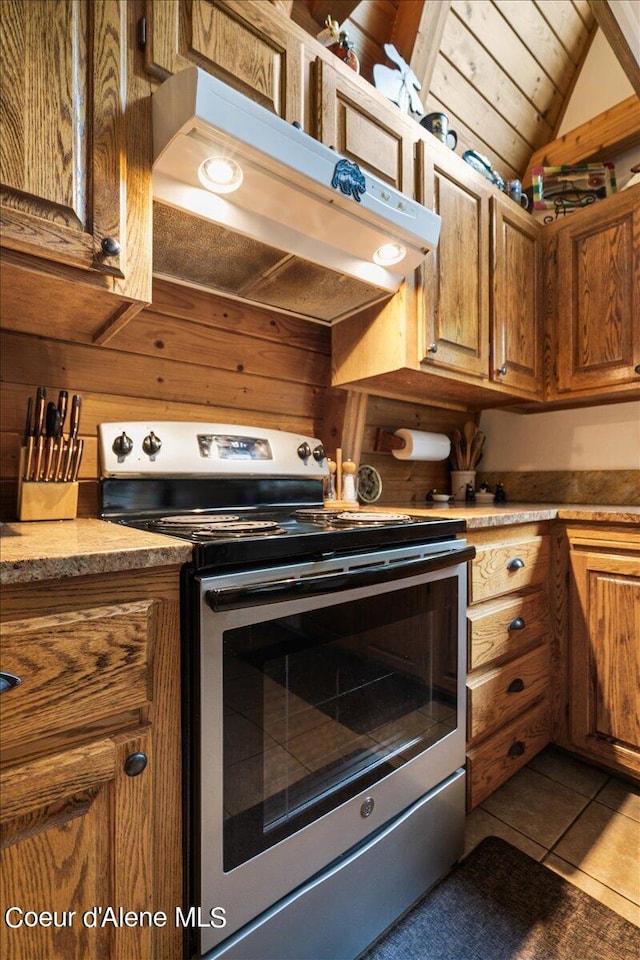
(50,550)
(481,516)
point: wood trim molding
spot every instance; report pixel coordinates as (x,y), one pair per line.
(417,35)
(612,30)
(613,131)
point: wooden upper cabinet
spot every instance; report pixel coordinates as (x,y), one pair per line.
(350,121)
(62,156)
(244,44)
(598,296)
(516,331)
(456,275)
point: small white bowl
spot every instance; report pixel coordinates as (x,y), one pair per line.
(441,497)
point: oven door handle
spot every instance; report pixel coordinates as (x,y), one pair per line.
(296,588)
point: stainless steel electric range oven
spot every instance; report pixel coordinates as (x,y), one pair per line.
(324,709)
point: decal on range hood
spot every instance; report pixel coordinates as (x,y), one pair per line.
(250,206)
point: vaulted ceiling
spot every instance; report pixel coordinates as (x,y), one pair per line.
(502,70)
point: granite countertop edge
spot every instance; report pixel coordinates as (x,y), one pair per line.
(54,550)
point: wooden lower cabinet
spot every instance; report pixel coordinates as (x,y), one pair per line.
(603,653)
(509,654)
(90,767)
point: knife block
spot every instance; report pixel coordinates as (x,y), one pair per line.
(47,501)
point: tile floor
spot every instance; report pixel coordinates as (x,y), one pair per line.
(576,819)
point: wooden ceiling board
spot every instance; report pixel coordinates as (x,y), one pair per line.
(455,91)
(568,26)
(505,46)
(475,63)
(540,39)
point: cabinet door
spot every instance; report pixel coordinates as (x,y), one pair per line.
(62,163)
(516,329)
(76,835)
(456,274)
(350,121)
(599,295)
(245,44)
(605,658)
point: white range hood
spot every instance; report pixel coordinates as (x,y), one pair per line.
(302,244)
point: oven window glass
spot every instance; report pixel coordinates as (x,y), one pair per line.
(323,704)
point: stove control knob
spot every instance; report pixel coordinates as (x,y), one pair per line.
(151,444)
(318,453)
(122,445)
(304,451)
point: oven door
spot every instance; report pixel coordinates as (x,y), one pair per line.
(331,697)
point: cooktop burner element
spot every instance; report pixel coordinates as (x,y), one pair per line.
(371,518)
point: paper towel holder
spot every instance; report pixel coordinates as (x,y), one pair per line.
(387,442)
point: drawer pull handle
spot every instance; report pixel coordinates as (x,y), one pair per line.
(516,686)
(8,680)
(516,749)
(135,764)
(516,624)
(515,564)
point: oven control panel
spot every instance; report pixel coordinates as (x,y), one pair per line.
(170,448)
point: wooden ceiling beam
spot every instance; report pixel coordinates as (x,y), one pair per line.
(339,10)
(417,35)
(612,30)
(610,133)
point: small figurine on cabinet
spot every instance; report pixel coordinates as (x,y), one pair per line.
(337,40)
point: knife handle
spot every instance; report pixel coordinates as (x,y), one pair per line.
(74,422)
(28,460)
(57,473)
(63,398)
(39,452)
(77,457)
(41,396)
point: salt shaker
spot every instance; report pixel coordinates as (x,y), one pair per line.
(349,481)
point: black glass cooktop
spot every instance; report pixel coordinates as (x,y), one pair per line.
(225,532)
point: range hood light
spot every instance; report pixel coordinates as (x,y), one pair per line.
(220,174)
(389,253)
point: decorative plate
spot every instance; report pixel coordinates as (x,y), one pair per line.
(369,485)
(483,165)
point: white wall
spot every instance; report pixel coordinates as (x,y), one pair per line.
(591,438)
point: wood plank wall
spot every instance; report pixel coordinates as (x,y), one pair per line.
(194,356)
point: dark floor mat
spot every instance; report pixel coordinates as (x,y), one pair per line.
(499,904)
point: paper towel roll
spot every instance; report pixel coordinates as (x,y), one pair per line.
(419,445)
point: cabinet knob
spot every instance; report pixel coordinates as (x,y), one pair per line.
(516,686)
(122,445)
(8,681)
(135,764)
(110,247)
(516,749)
(638,368)
(503,370)
(517,624)
(515,564)
(432,348)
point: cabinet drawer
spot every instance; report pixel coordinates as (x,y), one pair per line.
(502,628)
(502,755)
(497,696)
(75,667)
(507,567)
